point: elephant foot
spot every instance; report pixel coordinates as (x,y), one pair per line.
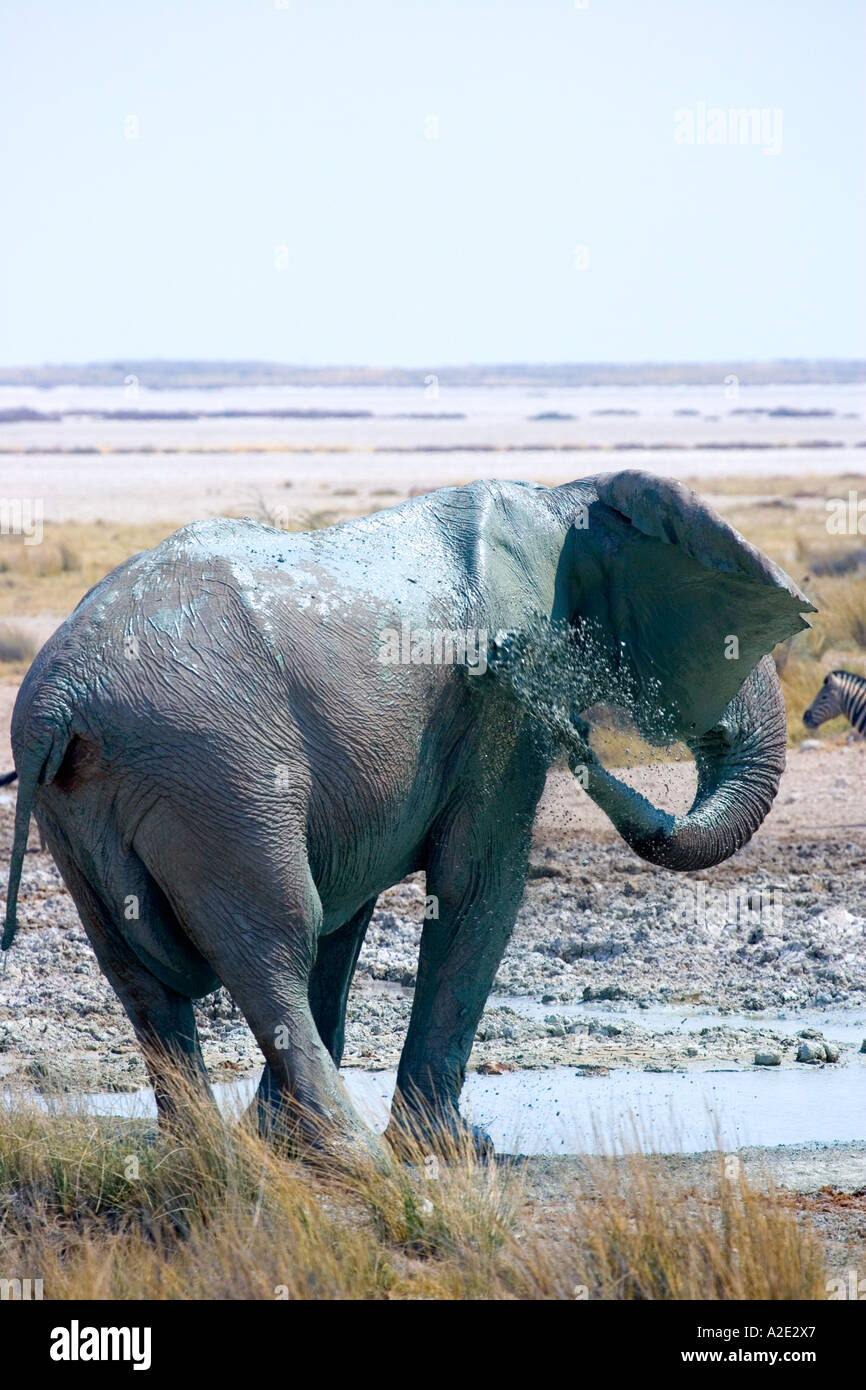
(484,1148)
(305,1138)
(418,1137)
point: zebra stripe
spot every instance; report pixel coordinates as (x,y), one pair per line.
(843,692)
(853,699)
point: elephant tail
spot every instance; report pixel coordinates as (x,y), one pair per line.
(39,763)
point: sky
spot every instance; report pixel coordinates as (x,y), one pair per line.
(418,183)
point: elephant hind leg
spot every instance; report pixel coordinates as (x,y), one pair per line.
(247,901)
(259,933)
(162,1017)
(331,978)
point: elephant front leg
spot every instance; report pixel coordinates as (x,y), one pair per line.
(460,955)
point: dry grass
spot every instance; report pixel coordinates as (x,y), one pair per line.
(795,535)
(17,648)
(50,578)
(104,1209)
(840,623)
(835,640)
(294,519)
(73,556)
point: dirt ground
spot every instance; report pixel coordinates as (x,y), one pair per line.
(835,1211)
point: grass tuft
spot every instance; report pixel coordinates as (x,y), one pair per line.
(103,1208)
(16,645)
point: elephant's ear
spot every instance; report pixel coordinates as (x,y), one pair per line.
(690,605)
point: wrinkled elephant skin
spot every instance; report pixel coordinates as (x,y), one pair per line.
(240,738)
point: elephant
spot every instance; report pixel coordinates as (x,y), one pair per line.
(240,738)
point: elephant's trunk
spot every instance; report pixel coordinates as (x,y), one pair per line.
(739,763)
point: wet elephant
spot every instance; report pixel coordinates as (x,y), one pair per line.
(249,735)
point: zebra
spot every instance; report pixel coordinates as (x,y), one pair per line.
(842,693)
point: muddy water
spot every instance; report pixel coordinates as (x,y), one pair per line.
(560,1111)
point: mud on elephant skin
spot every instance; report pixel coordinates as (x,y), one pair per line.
(240,738)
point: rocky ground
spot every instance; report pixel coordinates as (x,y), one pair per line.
(602,937)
